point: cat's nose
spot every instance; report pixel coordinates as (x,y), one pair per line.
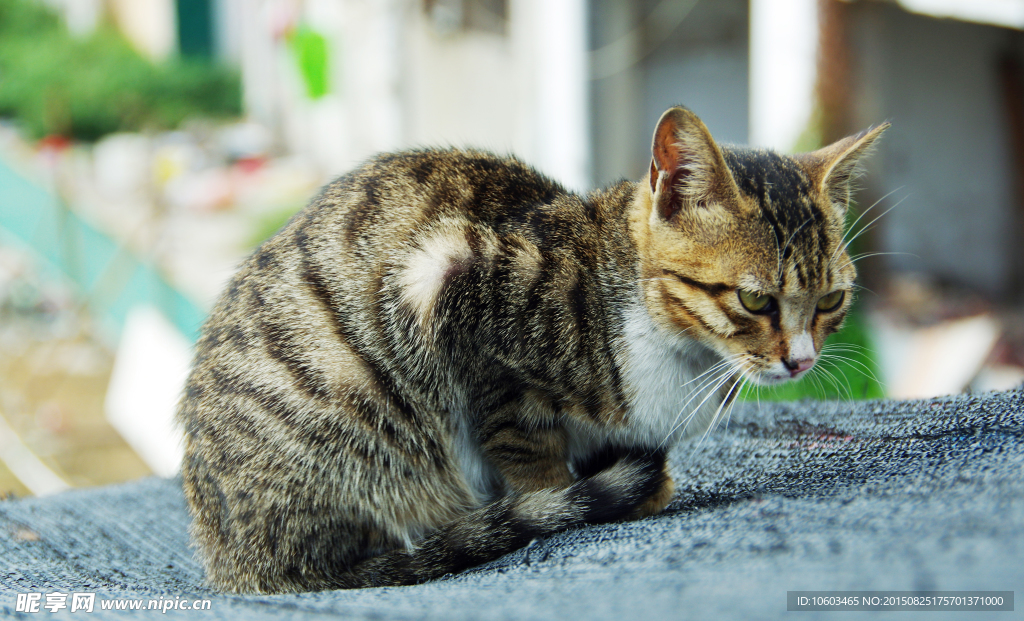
(796,367)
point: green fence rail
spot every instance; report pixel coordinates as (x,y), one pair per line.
(108,275)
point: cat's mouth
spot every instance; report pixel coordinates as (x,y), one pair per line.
(769,379)
(778,373)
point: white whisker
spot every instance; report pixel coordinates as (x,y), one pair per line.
(858,365)
(867,227)
(718,382)
(867,255)
(725,362)
(714,418)
(744,382)
(854,225)
(837,384)
(693,394)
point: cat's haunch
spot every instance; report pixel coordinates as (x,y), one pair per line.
(446,354)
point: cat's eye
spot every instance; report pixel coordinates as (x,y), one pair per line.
(831,301)
(755,302)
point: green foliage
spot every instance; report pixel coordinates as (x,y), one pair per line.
(54,83)
(269,223)
(310,48)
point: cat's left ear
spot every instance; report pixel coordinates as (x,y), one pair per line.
(833,168)
(688,171)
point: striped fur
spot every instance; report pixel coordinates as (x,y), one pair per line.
(447,355)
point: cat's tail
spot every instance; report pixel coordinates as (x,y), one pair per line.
(511,522)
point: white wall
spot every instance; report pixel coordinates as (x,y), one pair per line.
(705,66)
(655,54)
(946,156)
(783,70)
(523,91)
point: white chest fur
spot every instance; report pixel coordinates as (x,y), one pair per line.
(671,393)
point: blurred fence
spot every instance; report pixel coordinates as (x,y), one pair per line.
(109,276)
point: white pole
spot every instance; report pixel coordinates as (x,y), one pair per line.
(561,106)
(783,66)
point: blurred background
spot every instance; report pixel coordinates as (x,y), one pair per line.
(146,146)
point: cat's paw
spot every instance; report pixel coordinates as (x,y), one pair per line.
(657,502)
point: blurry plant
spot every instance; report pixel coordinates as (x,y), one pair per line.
(310,49)
(269,223)
(54,83)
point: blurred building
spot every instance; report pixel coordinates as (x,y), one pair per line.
(342,79)
(949,76)
(573,87)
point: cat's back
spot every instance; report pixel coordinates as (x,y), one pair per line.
(394,196)
(322,298)
(363,224)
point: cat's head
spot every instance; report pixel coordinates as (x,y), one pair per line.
(743,249)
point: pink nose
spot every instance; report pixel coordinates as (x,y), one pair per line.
(796,367)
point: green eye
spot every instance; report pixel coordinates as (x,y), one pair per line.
(831,301)
(755,302)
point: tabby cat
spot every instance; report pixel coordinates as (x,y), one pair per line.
(447,355)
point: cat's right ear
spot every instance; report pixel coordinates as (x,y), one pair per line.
(687,168)
(833,168)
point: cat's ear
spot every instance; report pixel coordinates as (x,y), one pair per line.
(833,168)
(688,169)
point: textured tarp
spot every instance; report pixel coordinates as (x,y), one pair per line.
(882,495)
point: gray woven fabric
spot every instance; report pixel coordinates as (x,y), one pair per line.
(925,495)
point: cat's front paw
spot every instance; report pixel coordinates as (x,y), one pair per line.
(657,502)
